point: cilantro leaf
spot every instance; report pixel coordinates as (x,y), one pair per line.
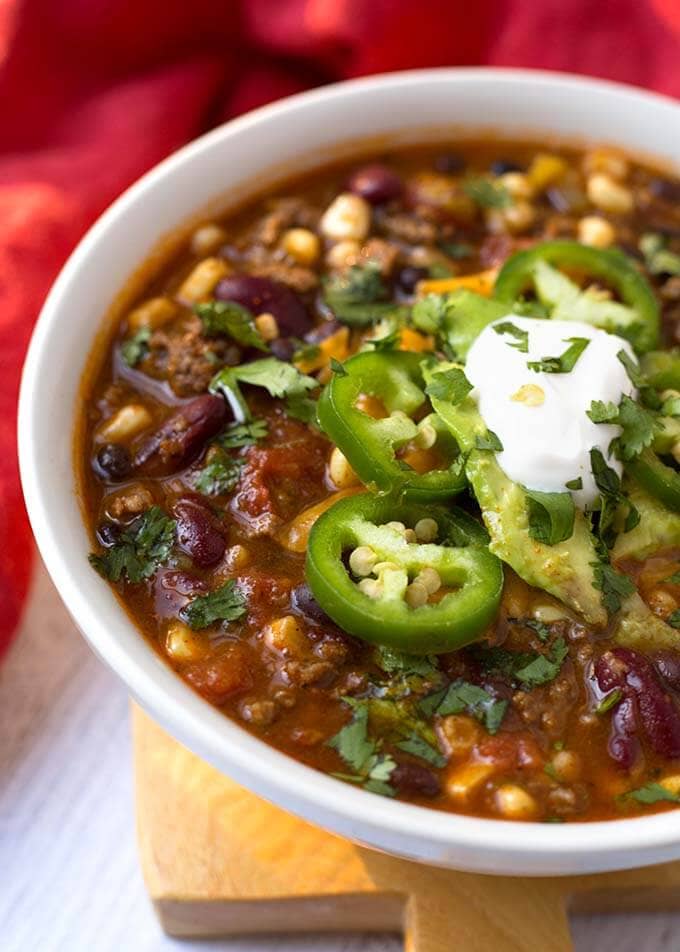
(613,585)
(300,407)
(417,746)
(463,696)
(489,441)
(601,412)
(563,364)
(218,476)
(394,662)
(144,545)
(658,259)
(543,668)
(278,378)
(451,385)
(521,336)
(540,627)
(575,484)
(487,193)
(242,434)
(551,516)
(338,368)
(231,319)
(226,603)
(352,741)
(635,375)
(652,793)
(388,342)
(674,619)
(639,428)
(359,296)
(136,348)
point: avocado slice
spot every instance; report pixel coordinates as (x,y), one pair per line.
(658,528)
(565,570)
(638,627)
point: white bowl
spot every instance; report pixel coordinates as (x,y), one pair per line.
(295,134)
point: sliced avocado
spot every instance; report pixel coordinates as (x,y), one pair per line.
(565,570)
(638,627)
(658,528)
(459,317)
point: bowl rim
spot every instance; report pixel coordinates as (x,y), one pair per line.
(194,721)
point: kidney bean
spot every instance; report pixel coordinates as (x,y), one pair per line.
(283,348)
(265,295)
(624,746)
(199,533)
(179,440)
(667,664)
(376,184)
(410,276)
(415,781)
(646,706)
(112,462)
(173,590)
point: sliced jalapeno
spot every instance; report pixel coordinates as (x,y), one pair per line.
(366,574)
(371,445)
(636,317)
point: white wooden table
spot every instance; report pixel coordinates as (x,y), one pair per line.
(69,879)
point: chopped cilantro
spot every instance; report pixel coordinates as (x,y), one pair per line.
(658,259)
(144,545)
(542,630)
(611,497)
(232,319)
(543,668)
(136,348)
(674,619)
(372,769)
(301,407)
(360,284)
(652,793)
(486,193)
(488,441)
(417,746)
(601,412)
(388,342)
(639,427)
(242,434)
(338,368)
(463,696)
(521,337)
(609,701)
(394,662)
(613,585)
(218,476)
(278,378)
(226,603)
(551,516)
(451,385)
(635,375)
(563,364)
(575,484)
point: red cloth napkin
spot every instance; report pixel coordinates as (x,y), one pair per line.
(94,92)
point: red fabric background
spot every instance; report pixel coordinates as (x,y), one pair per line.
(94,92)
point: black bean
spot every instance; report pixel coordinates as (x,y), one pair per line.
(409,276)
(108,534)
(112,462)
(283,348)
(303,602)
(503,166)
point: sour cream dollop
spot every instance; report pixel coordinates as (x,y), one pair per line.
(540,418)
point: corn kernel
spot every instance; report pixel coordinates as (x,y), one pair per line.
(416,595)
(545,170)
(287,636)
(183,644)
(519,217)
(430,579)
(267,326)
(125,423)
(531,395)
(606,161)
(596,231)
(607,195)
(671,783)
(459,734)
(426,530)
(301,244)
(567,766)
(340,471)
(152,314)
(200,284)
(347,217)
(514,803)
(517,184)
(207,238)
(343,255)
(465,780)
(362,560)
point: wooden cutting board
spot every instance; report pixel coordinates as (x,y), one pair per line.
(219,861)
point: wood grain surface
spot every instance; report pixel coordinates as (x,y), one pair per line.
(69,871)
